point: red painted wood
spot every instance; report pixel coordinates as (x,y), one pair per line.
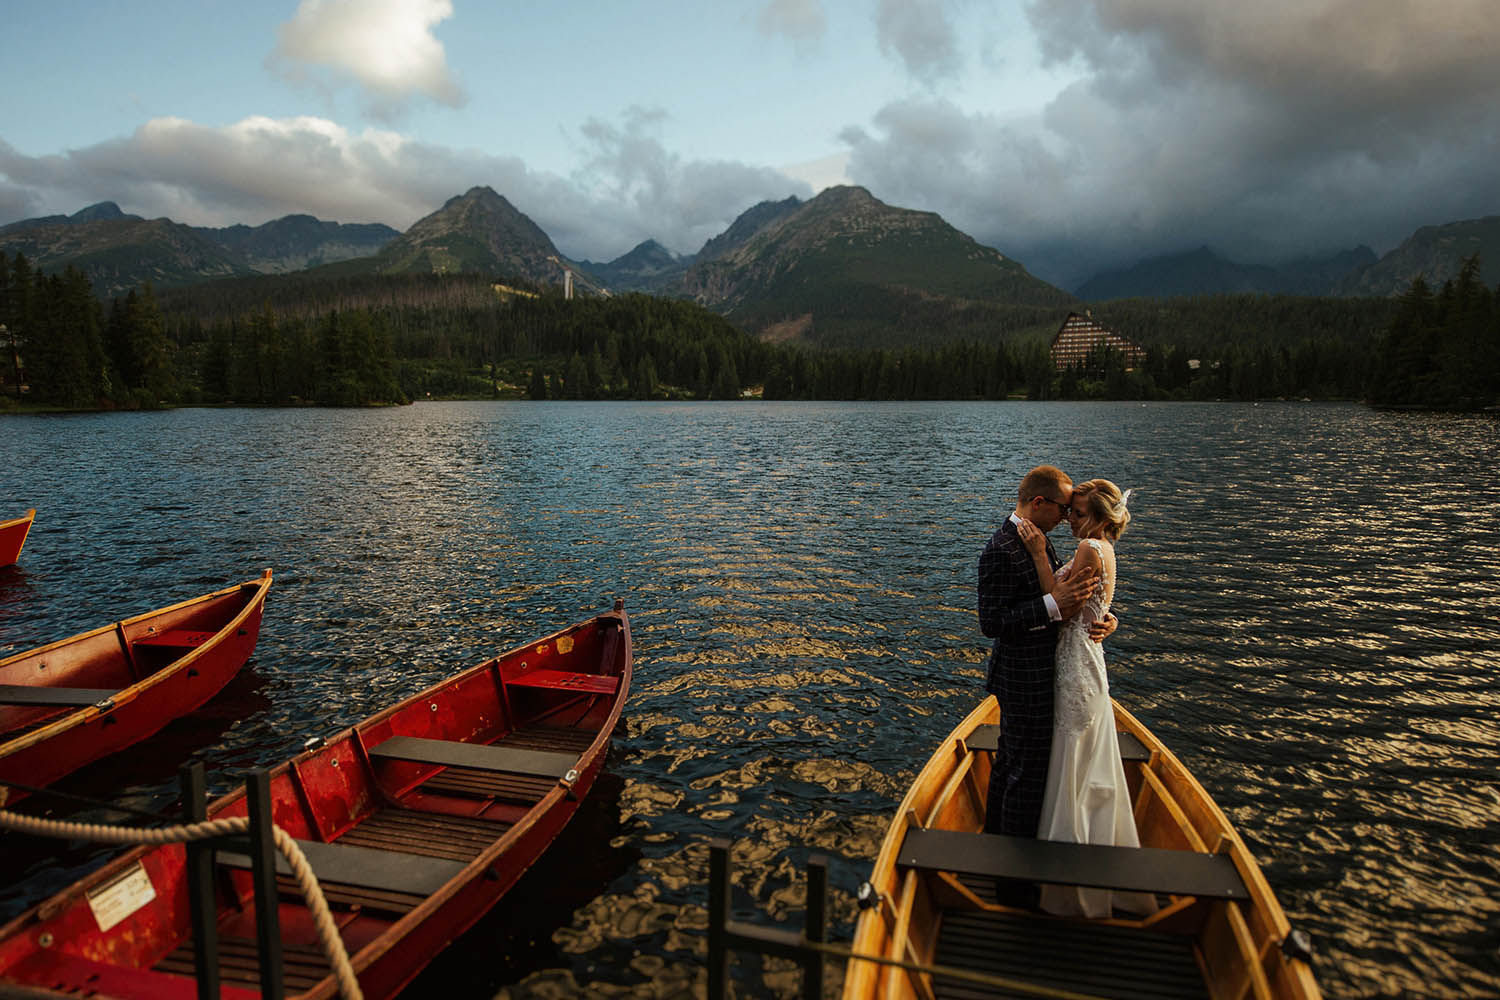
(333,793)
(13,537)
(38,745)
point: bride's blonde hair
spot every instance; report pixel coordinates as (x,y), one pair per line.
(1102,505)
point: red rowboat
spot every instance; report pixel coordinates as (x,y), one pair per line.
(70,703)
(416,821)
(13,536)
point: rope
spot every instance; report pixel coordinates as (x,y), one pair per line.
(333,945)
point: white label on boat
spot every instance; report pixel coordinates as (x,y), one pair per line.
(117,900)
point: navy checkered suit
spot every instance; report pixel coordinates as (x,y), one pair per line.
(1011,612)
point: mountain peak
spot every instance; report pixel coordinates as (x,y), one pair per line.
(97,212)
(478,230)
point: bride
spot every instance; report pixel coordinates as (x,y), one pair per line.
(1087,800)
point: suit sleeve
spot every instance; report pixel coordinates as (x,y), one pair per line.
(1005,609)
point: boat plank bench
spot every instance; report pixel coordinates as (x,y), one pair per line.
(1127,869)
(366,867)
(1060,955)
(174,638)
(565,680)
(478,756)
(27,694)
(988,738)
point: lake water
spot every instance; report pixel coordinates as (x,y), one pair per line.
(1308,597)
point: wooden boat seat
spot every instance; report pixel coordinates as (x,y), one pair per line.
(988,738)
(476,756)
(27,694)
(385,871)
(565,680)
(1091,959)
(1131,869)
(174,638)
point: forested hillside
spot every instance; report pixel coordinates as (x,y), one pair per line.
(356,339)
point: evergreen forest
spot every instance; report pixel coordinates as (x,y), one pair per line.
(333,336)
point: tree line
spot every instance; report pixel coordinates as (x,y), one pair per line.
(1442,349)
(343,338)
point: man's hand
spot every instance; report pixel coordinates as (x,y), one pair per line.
(1071,592)
(1103,628)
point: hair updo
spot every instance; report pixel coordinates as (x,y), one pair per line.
(1102,506)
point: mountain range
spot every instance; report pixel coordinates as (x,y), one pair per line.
(840,268)
(117,251)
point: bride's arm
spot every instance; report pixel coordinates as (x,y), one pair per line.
(1036,544)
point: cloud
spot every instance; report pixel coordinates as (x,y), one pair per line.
(263,168)
(386,46)
(921,35)
(1267,131)
(635,182)
(800,21)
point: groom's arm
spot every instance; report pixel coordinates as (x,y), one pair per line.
(1005,610)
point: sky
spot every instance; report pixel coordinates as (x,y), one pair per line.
(1071,135)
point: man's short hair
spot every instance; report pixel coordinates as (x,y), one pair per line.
(1047,482)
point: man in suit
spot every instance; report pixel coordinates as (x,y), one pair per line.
(1023,621)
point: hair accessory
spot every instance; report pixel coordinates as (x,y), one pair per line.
(1125,499)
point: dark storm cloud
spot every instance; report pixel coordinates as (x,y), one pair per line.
(263,168)
(1267,130)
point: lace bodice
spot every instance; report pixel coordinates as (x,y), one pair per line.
(1097,606)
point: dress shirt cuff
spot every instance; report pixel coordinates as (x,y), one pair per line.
(1052,612)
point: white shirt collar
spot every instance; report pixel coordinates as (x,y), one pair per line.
(1015,519)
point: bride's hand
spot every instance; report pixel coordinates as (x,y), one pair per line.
(1103,628)
(1032,537)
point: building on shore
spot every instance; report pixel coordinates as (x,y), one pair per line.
(1081,335)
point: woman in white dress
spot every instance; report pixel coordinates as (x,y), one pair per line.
(1087,800)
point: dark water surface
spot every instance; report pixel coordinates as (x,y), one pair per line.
(1308,596)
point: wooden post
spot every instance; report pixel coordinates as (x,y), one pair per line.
(816,926)
(263,871)
(200,875)
(718,918)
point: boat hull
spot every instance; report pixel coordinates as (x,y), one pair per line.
(374,793)
(150,683)
(13,537)
(1233,946)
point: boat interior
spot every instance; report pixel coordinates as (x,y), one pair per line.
(388,814)
(945,902)
(44,684)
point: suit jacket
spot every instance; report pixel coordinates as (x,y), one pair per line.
(1011,612)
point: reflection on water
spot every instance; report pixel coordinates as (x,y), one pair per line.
(1307,596)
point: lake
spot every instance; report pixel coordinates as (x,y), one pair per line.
(1307,597)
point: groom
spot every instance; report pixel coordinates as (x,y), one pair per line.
(1023,621)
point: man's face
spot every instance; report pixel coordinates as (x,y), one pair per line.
(1047,512)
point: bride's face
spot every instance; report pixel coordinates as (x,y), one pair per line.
(1076,520)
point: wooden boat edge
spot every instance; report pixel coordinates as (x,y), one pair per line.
(128,694)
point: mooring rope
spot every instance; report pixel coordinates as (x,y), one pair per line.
(333,945)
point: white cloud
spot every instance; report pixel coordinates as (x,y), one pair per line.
(386,46)
(263,168)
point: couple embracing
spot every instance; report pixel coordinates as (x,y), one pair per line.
(1057,772)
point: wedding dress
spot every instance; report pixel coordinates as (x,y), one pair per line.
(1087,800)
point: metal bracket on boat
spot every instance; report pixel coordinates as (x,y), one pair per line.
(866,896)
(312,743)
(105,705)
(1298,944)
(568,781)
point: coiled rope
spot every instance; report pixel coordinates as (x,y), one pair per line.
(333,945)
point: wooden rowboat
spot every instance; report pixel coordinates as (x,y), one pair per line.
(13,537)
(75,701)
(416,821)
(1219,932)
